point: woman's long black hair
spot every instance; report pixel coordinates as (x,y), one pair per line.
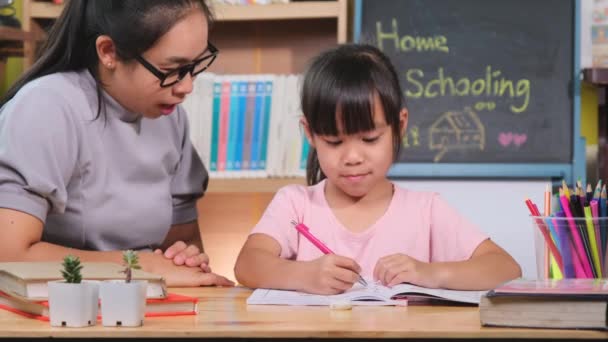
(345,80)
(133,25)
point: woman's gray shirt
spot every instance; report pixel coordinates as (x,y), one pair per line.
(112,183)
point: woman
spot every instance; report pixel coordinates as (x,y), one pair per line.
(94,150)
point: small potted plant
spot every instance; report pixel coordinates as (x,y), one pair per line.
(72,301)
(123,302)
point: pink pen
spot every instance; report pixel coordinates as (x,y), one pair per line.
(302,229)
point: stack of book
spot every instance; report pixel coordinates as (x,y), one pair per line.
(23,288)
(564,303)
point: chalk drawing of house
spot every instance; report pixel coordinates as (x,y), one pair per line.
(456,130)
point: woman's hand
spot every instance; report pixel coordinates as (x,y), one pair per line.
(181,275)
(400,268)
(186,255)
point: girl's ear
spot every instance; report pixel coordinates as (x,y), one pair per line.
(306,128)
(403,116)
(106,52)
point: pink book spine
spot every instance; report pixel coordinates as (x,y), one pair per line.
(224,124)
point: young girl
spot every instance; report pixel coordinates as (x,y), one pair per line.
(354,118)
(95,155)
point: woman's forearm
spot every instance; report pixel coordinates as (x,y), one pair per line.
(44,251)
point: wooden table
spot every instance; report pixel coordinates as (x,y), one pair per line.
(224,314)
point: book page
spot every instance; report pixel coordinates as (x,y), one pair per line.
(409,290)
(373,294)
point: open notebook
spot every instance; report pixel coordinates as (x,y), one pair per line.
(373,294)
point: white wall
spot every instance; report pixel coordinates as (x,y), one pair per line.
(585,33)
(497,207)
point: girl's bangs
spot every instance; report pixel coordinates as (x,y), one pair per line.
(351,104)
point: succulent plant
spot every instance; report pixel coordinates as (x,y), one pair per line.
(131,262)
(71,269)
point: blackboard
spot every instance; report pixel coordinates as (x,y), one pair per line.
(486,81)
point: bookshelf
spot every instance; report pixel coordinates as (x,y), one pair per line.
(251,185)
(289,33)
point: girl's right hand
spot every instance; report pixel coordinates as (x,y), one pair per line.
(331,274)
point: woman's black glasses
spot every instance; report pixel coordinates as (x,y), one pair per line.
(172,77)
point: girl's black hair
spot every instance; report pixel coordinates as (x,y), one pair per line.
(345,80)
(133,25)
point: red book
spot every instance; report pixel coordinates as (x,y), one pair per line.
(173,305)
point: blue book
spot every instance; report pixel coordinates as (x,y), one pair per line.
(249,132)
(232,126)
(240,134)
(265,123)
(215,124)
(304,153)
(257,125)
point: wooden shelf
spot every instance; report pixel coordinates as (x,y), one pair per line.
(596,76)
(15,34)
(45,10)
(295,10)
(258,185)
(302,28)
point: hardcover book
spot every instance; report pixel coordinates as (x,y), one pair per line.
(29,279)
(564,303)
(172,305)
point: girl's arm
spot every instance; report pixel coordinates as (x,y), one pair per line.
(488,267)
(259,265)
(22,242)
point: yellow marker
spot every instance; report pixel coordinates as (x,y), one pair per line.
(591,231)
(556,273)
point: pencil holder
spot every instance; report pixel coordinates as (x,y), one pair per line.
(570,247)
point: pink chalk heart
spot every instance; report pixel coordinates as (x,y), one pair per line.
(505,139)
(519,139)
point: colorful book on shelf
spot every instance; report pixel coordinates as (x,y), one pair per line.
(29,279)
(248,133)
(233,124)
(372,295)
(564,303)
(258,105)
(224,123)
(172,305)
(241,122)
(215,129)
(265,123)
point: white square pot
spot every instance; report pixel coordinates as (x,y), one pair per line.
(123,304)
(73,305)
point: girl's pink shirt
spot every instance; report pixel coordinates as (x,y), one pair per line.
(419,224)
